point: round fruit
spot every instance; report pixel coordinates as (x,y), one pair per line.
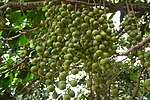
(73,83)
(48,82)
(34,68)
(71,93)
(39,49)
(74,71)
(66,97)
(50,88)
(55,95)
(147,83)
(49,75)
(61,85)
(42,64)
(46,53)
(114,92)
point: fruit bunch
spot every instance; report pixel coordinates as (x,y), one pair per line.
(78,39)
(131,27)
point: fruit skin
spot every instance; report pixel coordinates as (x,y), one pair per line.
(74,71)
(49,75)
(73,83)
(71,93)
(61,85)
(50,88)
(114,92)
(39,49)
(147,83)
(55,95)
(66,97)
(34,68)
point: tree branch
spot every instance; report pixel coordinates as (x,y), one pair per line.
(139,45)
(135,91)
(8,70)
(139,7)
(20,32)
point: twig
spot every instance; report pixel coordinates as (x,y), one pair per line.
(139,45)
(140,7)
(135,91)
(14,66)
(20,32)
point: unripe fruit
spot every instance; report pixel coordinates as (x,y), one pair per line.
(34,69)
(73,83)
(55,95)
(42,64)
(66,97)
(49,75)
(74,71)
(46,53)
(61,85)
(71,93)
(50,88)
(147,83)
(114,92)
(39,49)
(48,82)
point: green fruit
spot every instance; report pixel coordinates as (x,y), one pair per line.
(147,83)
(90,14)
(55,95)
(147,64)
(96,11)
(42,64)
(50,88)
(89,82)
(46,53)
(101,20)
(98,37)
(114,92)
(40,72)
(74,71)
(61,85)
(148,69)
(108,82)
(99,52)
(103,34)
(68,56)
(95,43)
(66,97)
(34,61)
(49,75)
(95,66)
(105,54)
(101,46)
(34,69)
(62,76)
(73,83)
(104,61)
(39,49)
(95,32)
(71,93)
(48,82)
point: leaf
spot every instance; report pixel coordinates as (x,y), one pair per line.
(9,62)
(15,16)
(22,40)
(112,15)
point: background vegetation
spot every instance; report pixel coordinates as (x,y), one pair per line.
(26,31)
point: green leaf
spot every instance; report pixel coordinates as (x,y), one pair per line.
(15,15)
(23,40)
(9,62)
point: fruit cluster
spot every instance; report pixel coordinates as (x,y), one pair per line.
(131,27)
(77,40)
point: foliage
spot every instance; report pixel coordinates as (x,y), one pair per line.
(54,49)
